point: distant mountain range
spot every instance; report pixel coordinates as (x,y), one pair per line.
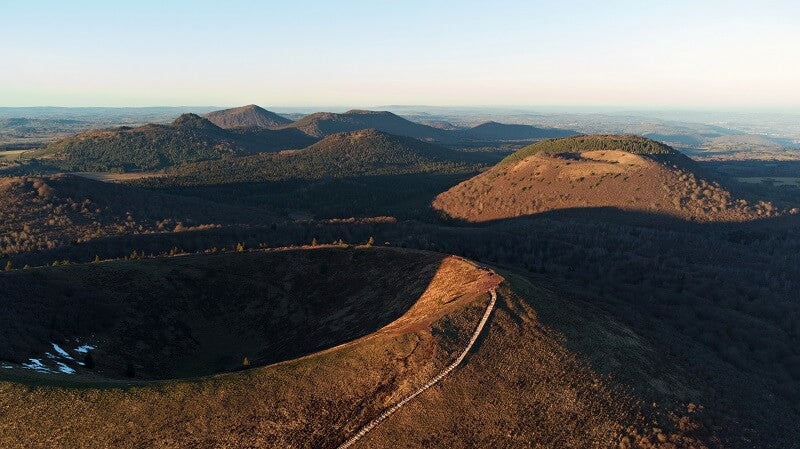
(189,138)
(493,131)
(325,123)
(250,116)
(248,130)
(357,173)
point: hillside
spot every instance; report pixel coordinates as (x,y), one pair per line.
(623,172)
(403,316)
(242,131)
(349,154)
(189,138)
(325,123)
(493,131)
(250,116)
(577,144)
(360,173)
(46,212)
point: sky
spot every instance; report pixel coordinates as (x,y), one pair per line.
(647,54)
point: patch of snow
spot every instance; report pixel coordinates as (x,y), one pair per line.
(7,366)
(61,352)
(64,368)
(83,349)
(37,365)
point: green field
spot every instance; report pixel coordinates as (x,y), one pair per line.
(11,155)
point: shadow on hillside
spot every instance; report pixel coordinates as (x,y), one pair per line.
(185,317)
(755,168)
(777,181)
(406,196)
(647,219)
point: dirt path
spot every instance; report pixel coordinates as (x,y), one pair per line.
(369,426)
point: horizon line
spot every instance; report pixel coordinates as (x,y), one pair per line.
(526,108)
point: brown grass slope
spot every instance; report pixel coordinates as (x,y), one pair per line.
(520,386)
(624,172)
(201,314)
(47,212)
(250,116)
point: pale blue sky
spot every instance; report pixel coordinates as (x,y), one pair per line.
(288,53)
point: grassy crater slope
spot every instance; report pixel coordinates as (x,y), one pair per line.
(604,171)
(519,387)
(198,315)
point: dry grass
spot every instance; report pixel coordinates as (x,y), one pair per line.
(11,155)
(522,386)
(309,402)
(593,179)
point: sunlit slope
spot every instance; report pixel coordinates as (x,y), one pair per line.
(622,172)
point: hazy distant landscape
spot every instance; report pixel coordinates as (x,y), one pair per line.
(683,266)
(342,225)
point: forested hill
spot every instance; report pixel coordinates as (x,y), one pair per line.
(246,130)
(39,213)
(577,144)
(189,138)
(493,131)
(250,116)
(351,154)
(323,124)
